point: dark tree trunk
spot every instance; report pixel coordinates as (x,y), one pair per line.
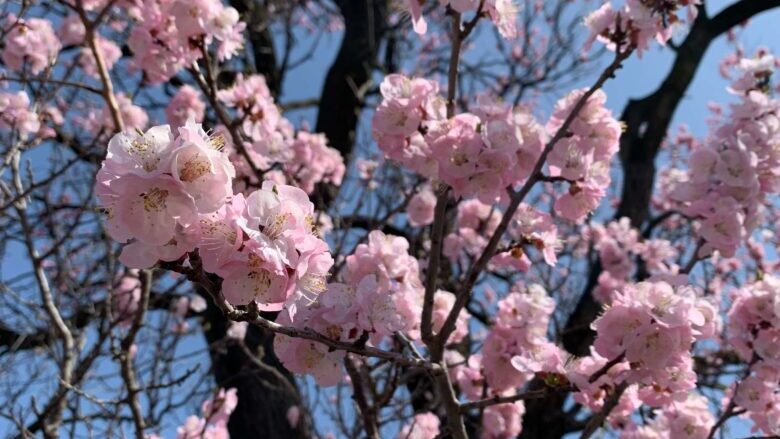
(255,15)
(266,391)
(350,75)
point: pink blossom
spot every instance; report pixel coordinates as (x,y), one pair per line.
(152,207)
(16,114)
(423,425)
(503,421)
(126,298)
(213,424)
(443,302)
(304,356)
(184,105)
(29,41)
(72,30)
(415,8)
(420,208)
(204,172)
(313,161)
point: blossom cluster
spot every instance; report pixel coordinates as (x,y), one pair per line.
(638,22)
(583,157)
(515,350)
(503,13)
(730,176)
(101,121)
(477,154)
(619,246)
(381,294)
(690,418)
(503,421)
(186,104)
(647,333)
(16,114)
(420,210)
(305,158)
(422,426)
(213,422)
(480,154)
(517,347)
(173,34)
(29,43)
(168,196)
(753,322)
(476,222)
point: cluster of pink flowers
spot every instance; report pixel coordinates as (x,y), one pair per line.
(305,158)
(153,185)
(753,322)
(531,226)
(186,104)
(387,282)
(420,210)
(517,346)
(529,229)
(618,246)
(381,294)
(126,297)
(29,43)
(482,153)
(503,421)
(313,161)
(277,256)
(169,35)
(690,418)
(730,176)
(109,51)
(583,158)
(213,422)
(515,350)
(255,107)
(499,421)
(474,224)
(423,426)
(503,13)
(648,330)
(477,154)
(16,114)
(638,22)
(168,196)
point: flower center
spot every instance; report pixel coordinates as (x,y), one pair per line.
(194,168)
(154,200)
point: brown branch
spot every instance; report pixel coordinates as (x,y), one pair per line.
(126,360)
(595,422)
(208,85)
(253,316)
(367,411)
(498,399)
(105,79)
(738,13)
